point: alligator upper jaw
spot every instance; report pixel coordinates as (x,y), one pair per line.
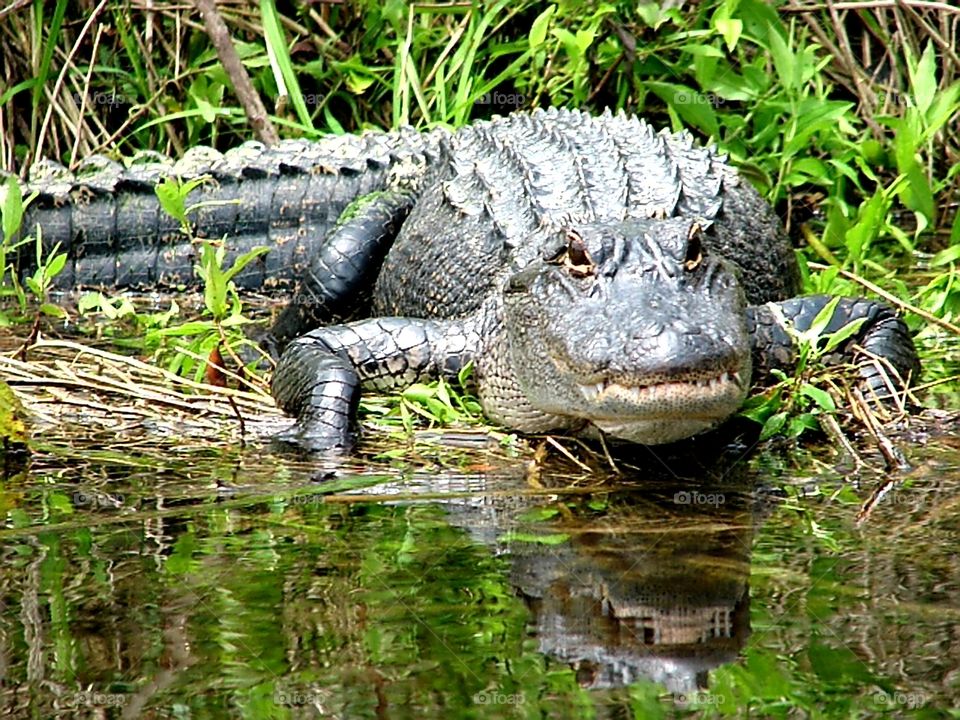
(655,413)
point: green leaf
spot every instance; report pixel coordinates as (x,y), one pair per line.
(692,107)
(954,232)
(11,208)
(243,260)
(731,29)
(835,339)
(801,423)
(53,311)
(870,221)
(650,13)
(465,375)
(773,425)
(171,199)
(821,320)
(538,30)
(358,83)
(923,79)
(56,265)
(61,503)
(784,61)
(821,397)
(280,56)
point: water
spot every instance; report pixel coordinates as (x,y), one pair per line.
(169,580)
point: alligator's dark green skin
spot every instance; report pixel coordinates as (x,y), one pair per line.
(600,276)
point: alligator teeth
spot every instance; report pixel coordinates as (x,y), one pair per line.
(606,389)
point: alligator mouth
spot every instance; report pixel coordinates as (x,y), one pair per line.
(671,393)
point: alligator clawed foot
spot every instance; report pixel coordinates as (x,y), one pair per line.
(314,438)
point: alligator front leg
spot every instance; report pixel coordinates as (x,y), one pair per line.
(319,376)
(342,272)
(883,335)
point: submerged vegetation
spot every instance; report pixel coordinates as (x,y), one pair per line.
(844,118)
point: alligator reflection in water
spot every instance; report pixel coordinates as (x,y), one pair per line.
(170,592)
(656,586)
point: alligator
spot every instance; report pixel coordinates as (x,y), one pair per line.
(601,277)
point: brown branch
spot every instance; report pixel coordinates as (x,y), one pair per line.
(248,97)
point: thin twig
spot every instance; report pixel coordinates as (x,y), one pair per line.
(891,298)
(248,97)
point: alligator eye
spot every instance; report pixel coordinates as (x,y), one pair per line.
(577,261)
(694,255)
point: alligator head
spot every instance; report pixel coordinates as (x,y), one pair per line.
(632,326)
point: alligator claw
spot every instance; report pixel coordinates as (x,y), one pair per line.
(315,437)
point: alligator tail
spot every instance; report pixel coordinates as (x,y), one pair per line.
(108,220)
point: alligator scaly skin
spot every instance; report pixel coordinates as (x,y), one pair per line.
(107,218)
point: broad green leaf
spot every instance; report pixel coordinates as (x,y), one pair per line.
(465,375)
(538,30)
(584,39)
(358,83)
(53,311)
(91,301)
(784,61)
(923,79)
(731,29)
(944,107)
(692,107)
(207,111)
(773,425)
(11,207)
(56,265)
(171,199)
(821,397)
(569,41)
(801,423)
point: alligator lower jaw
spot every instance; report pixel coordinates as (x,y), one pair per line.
(664,412)
(656,431)
(678,394)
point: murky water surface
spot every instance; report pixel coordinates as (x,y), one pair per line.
(166,581)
